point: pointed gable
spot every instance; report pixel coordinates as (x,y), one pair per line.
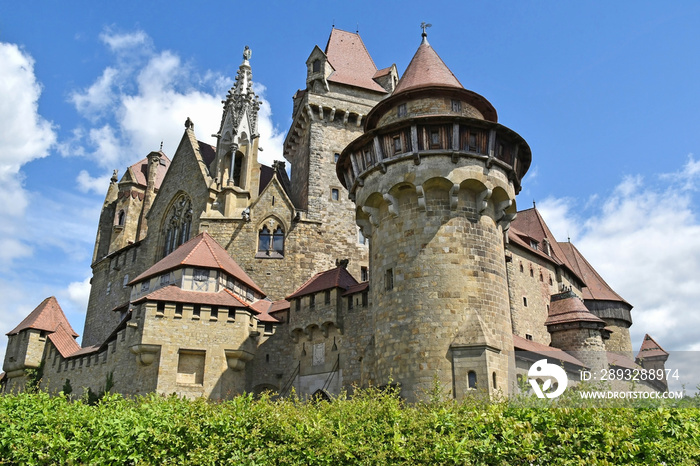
(351,61)
(426,70)
(201,251)
(338,277)
(47,316)
(529,224)
(138,172)
(650,348)
(596,288)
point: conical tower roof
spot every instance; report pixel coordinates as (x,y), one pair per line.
(47,316)
(425,70)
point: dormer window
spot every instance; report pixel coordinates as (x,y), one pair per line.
(316,66)
(200,275)
(533,244)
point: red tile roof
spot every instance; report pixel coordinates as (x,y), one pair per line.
(596,288)
(63,341)
(523,344)
(617,360)
(200,251)
(47,316)
(650,348)
(359,288)
(338,277)
(352,63)
(140,170)
(173,293)
(263,307)
(426,70)
(279,306)
(531,223)
(567,307)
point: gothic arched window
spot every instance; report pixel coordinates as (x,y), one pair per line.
(121,218)
(271,241)
(178,224)
(237,169)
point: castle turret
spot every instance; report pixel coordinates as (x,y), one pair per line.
(575,330)
(150,194)
(26,347)
(434,179)
(652,357)
(104,229)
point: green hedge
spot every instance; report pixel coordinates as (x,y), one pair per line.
(372,427)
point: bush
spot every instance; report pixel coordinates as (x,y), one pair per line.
(372,427)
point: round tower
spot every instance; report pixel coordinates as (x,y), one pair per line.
(434,179)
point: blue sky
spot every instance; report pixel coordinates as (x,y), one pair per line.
(606,95)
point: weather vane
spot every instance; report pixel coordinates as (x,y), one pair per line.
(424,26)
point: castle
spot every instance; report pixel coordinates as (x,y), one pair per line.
(393,254)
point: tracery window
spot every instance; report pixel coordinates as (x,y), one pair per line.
(178,224)
(271,240)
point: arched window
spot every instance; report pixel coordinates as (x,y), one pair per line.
(264,240)
(271,241)
(471,379)
(237,169)
(278,240)
(121,218)
(178,224)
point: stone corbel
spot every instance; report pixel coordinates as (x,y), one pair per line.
(482,200)
(326,327)
(345,117)
(236,359)
(393,205)
(365,227)
(506,220)
(309,112)
(145,354)
(332,115)
(421,197)
(308,331)
(501,209)
(359,119)
(373,213)
(455,157)
(454,198)
(320,112)
(416,158)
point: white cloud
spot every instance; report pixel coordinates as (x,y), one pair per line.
(87,183)
(271,138)
(644,239)
(78,294)
(143,99)
(119,42)
(24,136)
(98,97)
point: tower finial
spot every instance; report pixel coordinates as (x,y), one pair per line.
(161,146)
(424,26)
(247,53)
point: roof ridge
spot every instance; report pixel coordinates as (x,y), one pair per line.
(205,237)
